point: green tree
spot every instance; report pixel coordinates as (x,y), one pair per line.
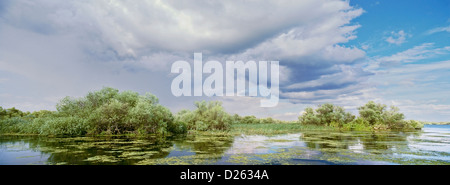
(105,111)
(42,113)
(207,116)
(110,117)
(372,112)
(309,117)
(393,118)
(382,117)
(2,113)
(326,114)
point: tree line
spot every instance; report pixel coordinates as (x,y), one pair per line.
(110,112)
(372,116)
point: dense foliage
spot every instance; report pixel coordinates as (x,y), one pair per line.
(371,116)
(111,112)
(207,116)
(326,114)
(212,116)
(107,111)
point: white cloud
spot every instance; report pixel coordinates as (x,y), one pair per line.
(59,48)
(397,37)
(320,95)
(424,51)
(416,84)
(285,110)
(424,110)
(438,29)
(133,28)
(318,40)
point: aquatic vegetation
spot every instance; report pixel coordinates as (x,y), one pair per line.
(108,112)
(273,129)
(198,159)
(243,159)
(278,140)
(303,147)
(21,157)
(102,159)
(138,155)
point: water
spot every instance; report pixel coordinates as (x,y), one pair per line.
(431,145)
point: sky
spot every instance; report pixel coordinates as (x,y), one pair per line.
(330,51)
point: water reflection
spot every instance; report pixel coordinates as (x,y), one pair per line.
(214,145)
(357,141)
(430,146)
(258,144)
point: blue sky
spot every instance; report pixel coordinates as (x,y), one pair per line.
(330,51)
(415,18)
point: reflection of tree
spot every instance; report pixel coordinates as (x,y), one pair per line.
(212,145)
(77,150)
(321,140)
(386,140)
(114,150)
(370,141)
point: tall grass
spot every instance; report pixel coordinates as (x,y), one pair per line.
(274,128)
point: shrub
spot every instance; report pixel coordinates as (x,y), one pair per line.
(207,116)
(13,125)
(413,125)
(327,115)
(380,117)
(71,126)
(371,112)
(357,124)
(309,117)
(371,116)
(110,117)
(105,111)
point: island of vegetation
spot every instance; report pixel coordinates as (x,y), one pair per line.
(435,123)
(110,112)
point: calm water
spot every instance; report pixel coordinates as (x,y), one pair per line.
(429,146)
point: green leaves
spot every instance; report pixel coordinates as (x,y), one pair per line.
(207,116)
(327,115)
(380,116)
(106,111)
(371,116)
(372,112)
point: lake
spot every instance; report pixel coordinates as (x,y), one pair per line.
(431,145)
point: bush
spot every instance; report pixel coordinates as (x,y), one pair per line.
(327,115)
(413,125)
(309,117)
(207,116)
(106,111)
(382,118)
(70,126)
(372,112)
(13,125)
(357,124)
(110,117)
(152,118)
(372,116)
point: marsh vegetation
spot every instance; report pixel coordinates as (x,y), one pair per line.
(428,146)
(110,112)
(112,127)
(372,116)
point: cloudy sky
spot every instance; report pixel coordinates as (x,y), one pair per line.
(330,51)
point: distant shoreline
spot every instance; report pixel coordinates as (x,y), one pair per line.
(435,123)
